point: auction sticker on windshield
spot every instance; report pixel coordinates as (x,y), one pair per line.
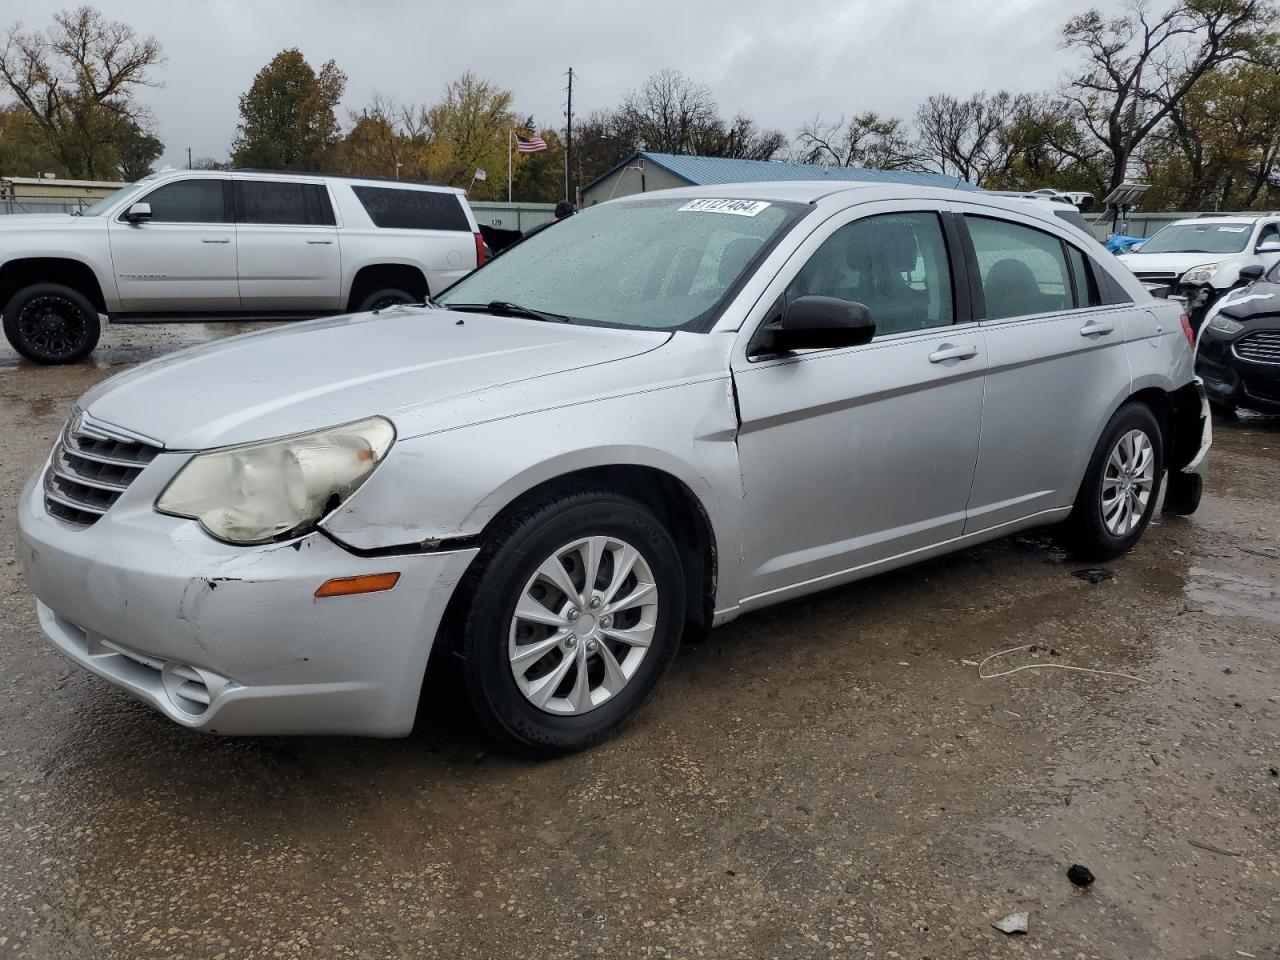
(740,208)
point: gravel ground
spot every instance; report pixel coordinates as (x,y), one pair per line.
(829,778)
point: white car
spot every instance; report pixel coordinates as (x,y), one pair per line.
(201,245)
(652,417)
(1201,258)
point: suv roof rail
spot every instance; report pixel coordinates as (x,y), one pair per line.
(342,176)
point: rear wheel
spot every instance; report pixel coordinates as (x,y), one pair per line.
(572,619)
(51,323)
(1120,488)
(386,297)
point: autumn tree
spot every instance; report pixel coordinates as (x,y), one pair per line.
(1139,66)
(287,119)
(865,140)
(78,83)
(468,129)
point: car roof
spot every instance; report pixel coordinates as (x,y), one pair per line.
(241,172)
(1223,218)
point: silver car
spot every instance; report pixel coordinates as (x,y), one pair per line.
(642,422)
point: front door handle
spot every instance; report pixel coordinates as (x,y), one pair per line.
(215,239)
(951,352)
(320,241)
(1096,328)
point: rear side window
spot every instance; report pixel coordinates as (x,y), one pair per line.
(283,203)
(412,209)
(1023,271)
(1082,281)
(187,201)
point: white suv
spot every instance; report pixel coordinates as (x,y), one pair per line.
(1202,258)
(200,245)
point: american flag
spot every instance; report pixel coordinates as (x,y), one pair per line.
(529,144)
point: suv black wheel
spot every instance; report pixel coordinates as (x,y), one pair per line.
(386,297)
(573,614)
(1120,487)
(51,323)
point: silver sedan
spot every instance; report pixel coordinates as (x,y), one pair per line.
(640,423)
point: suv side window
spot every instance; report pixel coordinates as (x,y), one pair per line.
(395,208)
(896,264)
(1269,234)
(187,201)
(282,203)
(1022,270)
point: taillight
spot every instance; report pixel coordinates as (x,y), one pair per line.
(1188,332)
(480,251)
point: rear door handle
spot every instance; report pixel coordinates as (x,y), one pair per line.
(320,241)
(215,240)
(1096,328)
(949,352)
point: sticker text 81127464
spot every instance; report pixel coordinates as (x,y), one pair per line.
(739,208)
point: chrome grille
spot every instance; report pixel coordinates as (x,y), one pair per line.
(92,464)
(1157,276)
(1260,347)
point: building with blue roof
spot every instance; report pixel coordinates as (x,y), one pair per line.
(644,172)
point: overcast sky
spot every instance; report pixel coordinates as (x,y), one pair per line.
(780,61)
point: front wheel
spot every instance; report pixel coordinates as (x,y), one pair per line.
(573,616)
(51,323)
(1120,487)
(386,297)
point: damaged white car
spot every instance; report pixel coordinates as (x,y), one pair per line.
(643,421)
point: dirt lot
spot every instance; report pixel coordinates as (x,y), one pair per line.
(828,778)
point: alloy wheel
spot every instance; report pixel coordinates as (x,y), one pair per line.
(582,625)
(51,325)
(1128,483)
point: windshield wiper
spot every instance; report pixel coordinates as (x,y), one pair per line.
(508,309)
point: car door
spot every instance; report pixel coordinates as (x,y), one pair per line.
(1057,364)
(290,260)
(855,456)
(181,260)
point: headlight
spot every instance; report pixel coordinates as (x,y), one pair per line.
(276,489)
(1198,276)
(1225,325)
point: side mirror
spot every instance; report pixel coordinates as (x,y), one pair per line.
(1268,246)
(138,212)
(1254,271)
(814,323)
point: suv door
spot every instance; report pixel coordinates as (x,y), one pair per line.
(183,259)
(858,455)
(1058,365)
(289,256)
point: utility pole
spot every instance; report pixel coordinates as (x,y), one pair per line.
(188,158)
(568,145)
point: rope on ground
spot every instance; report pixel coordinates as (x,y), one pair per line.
(1047,666)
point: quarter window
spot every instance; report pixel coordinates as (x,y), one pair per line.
(187,201)
(1023,270)
(283,203)
(896,264)
(395,208)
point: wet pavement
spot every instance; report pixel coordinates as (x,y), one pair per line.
(832,777)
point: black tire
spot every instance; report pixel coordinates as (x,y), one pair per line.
(1085,532)
(498,579)
(1182,493)
(386,297)
(50,323)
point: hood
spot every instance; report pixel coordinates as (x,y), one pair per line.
(1260,299)
(398,363)
(1178,263)
(25,221)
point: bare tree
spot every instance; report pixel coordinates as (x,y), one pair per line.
(671,114)
(78,82)
(866,140)
(968,138)
(1139,66)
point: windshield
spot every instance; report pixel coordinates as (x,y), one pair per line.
(1212,236)
(107,202)
(650,264)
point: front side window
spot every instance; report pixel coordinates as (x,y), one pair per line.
(1023,271)
(282,203)
(1270,234)
(895,264)
(187,201)
(395,208)
(649,264)
(1209,236)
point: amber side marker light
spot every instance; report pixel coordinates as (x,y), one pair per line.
(349,586)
